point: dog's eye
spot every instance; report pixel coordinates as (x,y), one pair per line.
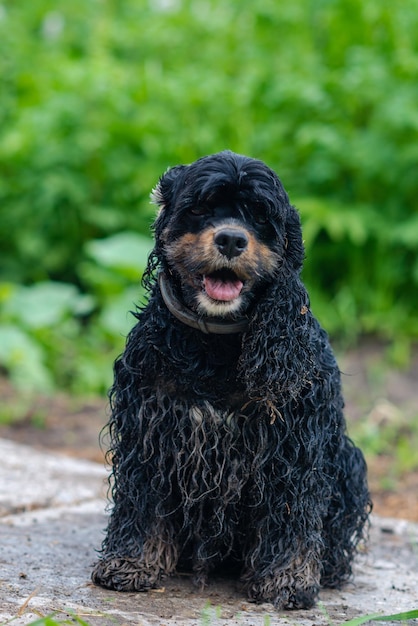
(199,211)
(258,211)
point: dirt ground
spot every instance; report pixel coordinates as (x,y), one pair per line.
(374,391)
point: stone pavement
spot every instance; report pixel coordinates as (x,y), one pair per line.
(51,522)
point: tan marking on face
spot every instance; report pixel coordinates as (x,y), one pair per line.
(195,255)
(198,253)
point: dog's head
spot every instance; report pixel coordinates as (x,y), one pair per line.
(225,229)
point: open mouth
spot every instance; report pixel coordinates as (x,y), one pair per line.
(222,285)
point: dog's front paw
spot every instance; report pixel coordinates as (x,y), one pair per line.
(296,598)
(268,590)
(125,574)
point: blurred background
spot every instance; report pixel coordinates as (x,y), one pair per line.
(99,97)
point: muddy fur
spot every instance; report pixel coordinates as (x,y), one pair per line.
(230,451)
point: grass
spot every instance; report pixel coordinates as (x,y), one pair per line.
(397,617)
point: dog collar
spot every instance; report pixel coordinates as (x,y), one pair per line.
(213,325)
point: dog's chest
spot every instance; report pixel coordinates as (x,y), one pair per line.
(213,400)
(211,458)
(202,369)
(220,418)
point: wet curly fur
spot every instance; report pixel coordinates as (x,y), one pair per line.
(230,450)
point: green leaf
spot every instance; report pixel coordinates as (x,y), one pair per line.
(46,304)
(124,251)
(406,233)
(116,317)
(396,617)
(24,358)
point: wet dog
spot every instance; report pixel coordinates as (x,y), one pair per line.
(227,435)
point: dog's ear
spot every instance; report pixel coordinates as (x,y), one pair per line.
(294,249)
(163,192)
(278,357)
(163,196)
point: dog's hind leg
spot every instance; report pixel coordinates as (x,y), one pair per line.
(346,524)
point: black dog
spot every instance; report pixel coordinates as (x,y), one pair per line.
(228,439)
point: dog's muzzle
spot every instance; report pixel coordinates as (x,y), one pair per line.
(216,326)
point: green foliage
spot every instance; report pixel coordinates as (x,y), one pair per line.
(97,99)
(52,334)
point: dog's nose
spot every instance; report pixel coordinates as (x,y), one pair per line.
(231,242)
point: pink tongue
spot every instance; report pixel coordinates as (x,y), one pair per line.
(219,290)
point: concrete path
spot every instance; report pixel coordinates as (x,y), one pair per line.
(51,522)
